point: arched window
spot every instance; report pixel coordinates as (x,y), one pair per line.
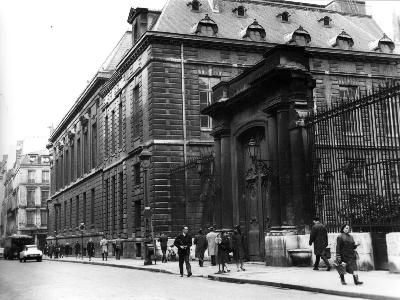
(205,27)
(254,31)
(327,21)
(384,45)
(240,11)
(195,4)
(299,37)
(343,41)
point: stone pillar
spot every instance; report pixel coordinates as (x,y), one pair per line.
(275,213)
(393,249)
(226,181)
(284,162)
(217,208)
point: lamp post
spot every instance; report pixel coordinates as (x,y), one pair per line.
(82,229)
(145,157)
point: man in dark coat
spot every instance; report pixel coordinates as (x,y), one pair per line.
(77,249)
(201,245)
(164,245)
(118,247)
(183,243)
(319,236)
(90,249)
(51,249)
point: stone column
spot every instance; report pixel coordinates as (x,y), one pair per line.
(226,180)
(216,209)
(284,162)
(275,213)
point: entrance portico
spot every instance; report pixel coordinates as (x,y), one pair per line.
(261,150)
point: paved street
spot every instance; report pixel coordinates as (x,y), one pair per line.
(53,280)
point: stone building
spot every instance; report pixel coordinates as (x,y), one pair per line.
(3,214)
(27,189)
(150,106)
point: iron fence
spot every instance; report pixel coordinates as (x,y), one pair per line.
(355,162)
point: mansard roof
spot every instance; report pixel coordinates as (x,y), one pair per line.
(177,18)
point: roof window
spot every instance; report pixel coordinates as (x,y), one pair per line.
(299,37)
(284,16)
(327,21)
(195,4)
(254,32)
(343,41)
(240,11)
(206,27)
(384,45)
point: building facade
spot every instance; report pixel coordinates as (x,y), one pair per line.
(27,189)
(3,218)
(150,107)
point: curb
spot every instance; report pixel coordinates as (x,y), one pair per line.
(302,288)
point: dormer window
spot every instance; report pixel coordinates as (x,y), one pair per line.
(32,158)
(384,45)
(343,41)
(284,16)
(299,37)
(327,21)
(240,11)
(205,27)
(195,4)
(254,32)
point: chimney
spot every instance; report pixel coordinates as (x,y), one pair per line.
(18,152)
(348,6)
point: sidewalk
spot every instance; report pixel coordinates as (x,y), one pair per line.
(377,284)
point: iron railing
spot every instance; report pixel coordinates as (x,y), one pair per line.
(355,162)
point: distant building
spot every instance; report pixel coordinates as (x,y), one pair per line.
(3,214)
(149,101)
(27,188)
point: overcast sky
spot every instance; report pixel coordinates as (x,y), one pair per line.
(50,49)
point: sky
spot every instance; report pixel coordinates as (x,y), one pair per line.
(50,49)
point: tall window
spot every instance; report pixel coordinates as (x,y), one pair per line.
(94,145)
(136,115)
(78,158)
(137,173)
(77,211)
(31,176)
(30,218)
(70,213)
(43,218)
(65,214)
(44,196)
(84,208)
(392,117)
(121,200)
(113,219)
(85,151)
(113,131)
(45,176)
(106,136)
(106,200)
(138,214)
(348,92)
(72,162)
(66,168)
(30,198)
(92,201)
(62,171)
(120,125)
(205,94)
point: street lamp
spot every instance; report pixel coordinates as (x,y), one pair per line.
(145,157)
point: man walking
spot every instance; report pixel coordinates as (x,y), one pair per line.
(319,236)
(164,244)
(201,245)
(118,248)
(183,243)
(104,247)
(77,249)
(90,249)
(211,245)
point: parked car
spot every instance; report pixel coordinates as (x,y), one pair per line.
(1,252)
(30,252)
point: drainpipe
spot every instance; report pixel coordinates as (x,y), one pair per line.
(184,130)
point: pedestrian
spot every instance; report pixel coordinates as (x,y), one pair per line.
(238,249)
(222,241)
(346,253)
(118,248)
(201,245)
(319,236)
(211,245)
(62,250)
(56,250)
(164,244)
(77,249)
(90,249)
(51,249)
(183,243)
(67,249)
(104,247)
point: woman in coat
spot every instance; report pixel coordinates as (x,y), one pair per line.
(223,251)
(238,251)
(201,245)
(90,249)
(345,252)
